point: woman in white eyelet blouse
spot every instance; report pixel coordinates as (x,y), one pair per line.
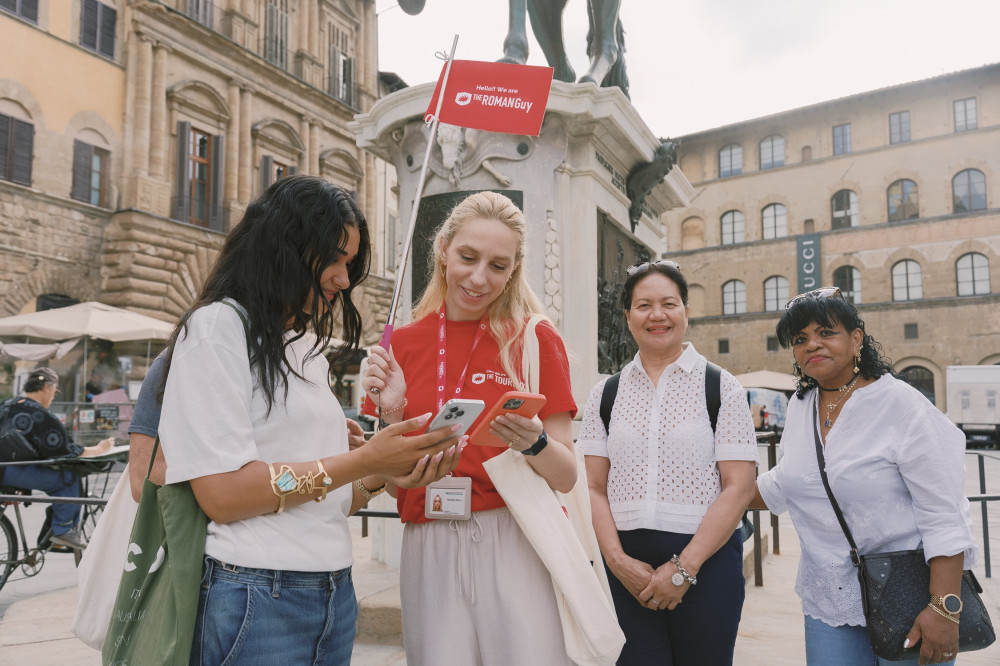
(667,494)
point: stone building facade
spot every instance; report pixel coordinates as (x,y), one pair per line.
(133,134)
(891,195)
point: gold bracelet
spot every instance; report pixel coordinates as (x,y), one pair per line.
(368,495)
(286,482)
(395,409)
(943,613)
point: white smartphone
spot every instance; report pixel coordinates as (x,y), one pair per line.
(458,410)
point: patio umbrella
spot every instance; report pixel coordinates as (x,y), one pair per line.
(768,379)
(90,319)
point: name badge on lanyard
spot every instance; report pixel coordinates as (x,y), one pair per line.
(449,498)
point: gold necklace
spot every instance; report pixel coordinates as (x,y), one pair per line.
(830,407)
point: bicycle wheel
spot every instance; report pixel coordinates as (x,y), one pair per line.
(8,549)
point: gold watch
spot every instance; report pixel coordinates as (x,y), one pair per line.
(368,495)
(949,603)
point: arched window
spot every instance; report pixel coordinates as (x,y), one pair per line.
(848,280)
(921,379)
(968,190)
(775,293)
(734,297)
(731,160)
(772,152)
(844,207)
(972,274)
(775,221)
(907,281)
(902,197)
(733,227)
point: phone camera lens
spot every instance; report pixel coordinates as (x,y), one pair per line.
(460,414)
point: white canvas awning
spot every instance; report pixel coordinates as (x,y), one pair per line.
(94,319)
(768,379)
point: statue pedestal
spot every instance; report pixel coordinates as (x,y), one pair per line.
(570,182)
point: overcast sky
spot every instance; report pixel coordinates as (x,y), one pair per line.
(701,64)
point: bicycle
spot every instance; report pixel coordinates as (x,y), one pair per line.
(14,549)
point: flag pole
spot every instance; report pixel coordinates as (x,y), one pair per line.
(401,270)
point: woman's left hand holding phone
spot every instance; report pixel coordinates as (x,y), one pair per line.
(416,460)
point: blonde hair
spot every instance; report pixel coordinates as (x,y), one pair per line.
(516,303)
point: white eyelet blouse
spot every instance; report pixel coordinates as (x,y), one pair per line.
(664,473)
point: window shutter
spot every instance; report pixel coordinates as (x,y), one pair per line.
(4,143)
(182,185)
(9,6)
(292,170)
(349,81)
(89,23)
(266,169)
(215,191)
(109,16)
(83,154)
(24,144)
(29,10)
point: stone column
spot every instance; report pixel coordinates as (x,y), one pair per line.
(314,129)
(304,137)
(246,152)
(158,114)
(143,90)
(314,32)
(232,178)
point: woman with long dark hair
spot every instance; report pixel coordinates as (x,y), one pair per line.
(250,420)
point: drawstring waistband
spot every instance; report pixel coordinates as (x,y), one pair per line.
(475,532)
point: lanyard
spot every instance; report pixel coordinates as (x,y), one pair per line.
(442,357)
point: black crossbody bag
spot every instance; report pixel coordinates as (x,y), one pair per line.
(895,589)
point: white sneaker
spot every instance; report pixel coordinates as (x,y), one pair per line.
(72,539)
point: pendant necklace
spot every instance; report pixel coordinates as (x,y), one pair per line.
(843,390)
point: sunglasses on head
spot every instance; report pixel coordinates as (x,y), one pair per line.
(643,267)
(822,292)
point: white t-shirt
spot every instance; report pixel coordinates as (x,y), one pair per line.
(896,466)
(214,421)
(664,473)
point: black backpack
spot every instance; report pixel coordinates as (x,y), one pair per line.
(14,446)
(713,398)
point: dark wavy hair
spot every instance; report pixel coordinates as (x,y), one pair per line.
(830,311)
(270,262)
(665,269)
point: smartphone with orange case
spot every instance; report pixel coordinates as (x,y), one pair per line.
(512,402)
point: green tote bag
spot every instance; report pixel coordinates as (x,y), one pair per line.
(154,614)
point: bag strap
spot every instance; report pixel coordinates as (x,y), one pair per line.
(530,363)
(152,457)
(243,318)
(713,391)
(608,400)
(855,556)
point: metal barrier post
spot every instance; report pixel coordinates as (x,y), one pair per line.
(986,523)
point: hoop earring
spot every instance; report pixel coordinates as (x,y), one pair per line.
(857,361)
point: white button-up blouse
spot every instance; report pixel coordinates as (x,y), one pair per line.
(896,466)
(664,473)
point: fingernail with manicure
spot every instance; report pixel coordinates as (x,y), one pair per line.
(439,456)
(906,643)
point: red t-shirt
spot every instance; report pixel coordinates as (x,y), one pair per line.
(415,347)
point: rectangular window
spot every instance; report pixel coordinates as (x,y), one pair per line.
(17,146)
(965,115)
(899,127)
(842,139)
(341,67)
(276,33)
(97,27)
(772,343)
(724,346)
(26,9)
(271,171)
(198,198)
(201,11)
(910,331)
(90,173)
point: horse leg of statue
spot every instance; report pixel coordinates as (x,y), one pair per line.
(515,46)
(602,43)
(546,23)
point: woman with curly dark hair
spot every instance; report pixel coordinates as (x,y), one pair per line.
(895,465)
(249,419)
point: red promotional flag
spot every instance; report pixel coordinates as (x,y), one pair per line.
(494,96)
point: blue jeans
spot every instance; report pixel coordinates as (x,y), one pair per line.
(54,482)
(846,644)
(266,617)
(701,630)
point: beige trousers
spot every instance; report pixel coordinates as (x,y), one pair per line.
(474,593)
